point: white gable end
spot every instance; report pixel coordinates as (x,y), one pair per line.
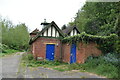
(49,31)
(71,33)
(45,33)
(75,32)
(53,32)
(57,34)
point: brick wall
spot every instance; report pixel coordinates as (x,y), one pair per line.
(66,52)
(82,52)
(39,47)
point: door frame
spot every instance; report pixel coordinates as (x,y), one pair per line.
(73,53)
(53,51)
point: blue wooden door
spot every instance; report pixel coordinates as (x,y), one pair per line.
(50,49)
(73,54)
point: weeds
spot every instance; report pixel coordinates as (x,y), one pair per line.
(99,65)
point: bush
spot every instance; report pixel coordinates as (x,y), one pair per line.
(5,50)
(108,70)
(112,58)
(30,57)
(3,47)
(106,65)
(118,46)
(104,59)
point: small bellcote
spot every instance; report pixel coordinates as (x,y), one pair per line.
(44,24)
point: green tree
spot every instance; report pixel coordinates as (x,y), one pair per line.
(15,36)
(98,18)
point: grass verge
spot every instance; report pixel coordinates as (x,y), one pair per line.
(97,65)
(8,52)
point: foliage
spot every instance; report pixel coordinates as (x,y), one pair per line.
(104,65)
(117,25)
(30,57)
(3,47)
(103,41)
(35,63)
(5,50)
(8,52)
(118,46)
(27,57)
(97,20)
(100,21)
(14,36)
(112,58)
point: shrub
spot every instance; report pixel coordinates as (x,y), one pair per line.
(117,46)
(108,70)
(3,47)
(30,56)
(27,57)
(73,66)
(106,65)
(104,59)
(112,58)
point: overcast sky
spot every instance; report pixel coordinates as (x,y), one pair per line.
(33,12)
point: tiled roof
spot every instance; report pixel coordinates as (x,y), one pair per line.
(35,31)
(68,29)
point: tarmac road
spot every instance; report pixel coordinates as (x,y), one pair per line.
(49,73)
(11,66)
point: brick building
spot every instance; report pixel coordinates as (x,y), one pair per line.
(47,44)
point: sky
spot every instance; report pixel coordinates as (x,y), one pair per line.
(33,12)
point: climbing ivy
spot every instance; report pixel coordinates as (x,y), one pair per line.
(106,43)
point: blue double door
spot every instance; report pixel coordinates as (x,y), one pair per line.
(50,51)
(73,54)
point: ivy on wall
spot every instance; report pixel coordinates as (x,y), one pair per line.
(106,43)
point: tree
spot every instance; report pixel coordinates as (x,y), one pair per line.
(15,36)
(98,18)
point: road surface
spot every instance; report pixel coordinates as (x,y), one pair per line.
(11,69)
(10,65)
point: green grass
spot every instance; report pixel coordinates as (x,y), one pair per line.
(8,52)
(97,65)
(108,70)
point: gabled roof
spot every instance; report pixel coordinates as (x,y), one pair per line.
(44,29)
(49,25)
(35,31)
(69,29)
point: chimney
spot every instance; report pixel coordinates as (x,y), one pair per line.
(44,24)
